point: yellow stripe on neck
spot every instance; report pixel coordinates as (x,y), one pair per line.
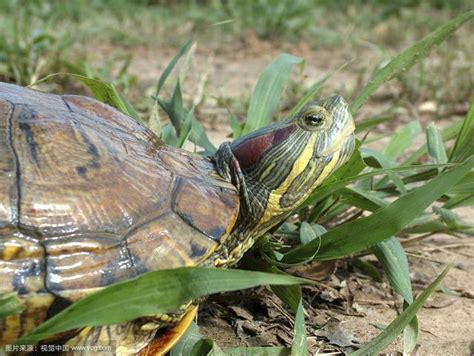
(273,207)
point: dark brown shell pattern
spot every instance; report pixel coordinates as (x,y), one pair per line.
(89,197)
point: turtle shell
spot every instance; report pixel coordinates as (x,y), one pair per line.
(89,197)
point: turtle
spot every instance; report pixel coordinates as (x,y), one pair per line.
(90,197)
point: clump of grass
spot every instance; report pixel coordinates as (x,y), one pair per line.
(28,52)
(40,35)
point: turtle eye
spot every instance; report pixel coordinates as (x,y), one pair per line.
(314,119)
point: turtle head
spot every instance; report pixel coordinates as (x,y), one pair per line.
(278,166)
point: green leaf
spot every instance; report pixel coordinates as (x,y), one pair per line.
(155,119)
(186,129)
(353,166)
(451,219)
(186,343)
(362,199)
(384,162)
(154,122)
(331,186)
(459,200)
(371,122)
(179,117)
(465,185)
(168,135)
(169,68)
(236,127)
(396,326)
(368,268)
(206,347)
(292,296)
(268,91)
(435,145)
(447,133)
(409,57)
(150,294)
(360,234)
(10,304)
(104,92)
(464,145)
(392,256)
(300,344)
(410,334)
(402,140)
(310,232)
(313,90)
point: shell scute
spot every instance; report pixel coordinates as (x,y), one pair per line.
(201,207)
(167,242)
(82,263)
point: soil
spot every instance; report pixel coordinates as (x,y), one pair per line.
(351,307)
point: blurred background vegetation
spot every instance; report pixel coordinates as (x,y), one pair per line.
(129,42)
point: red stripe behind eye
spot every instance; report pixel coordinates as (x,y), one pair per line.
(249,152)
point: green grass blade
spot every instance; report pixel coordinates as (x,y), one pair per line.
(451,219)
(169,68)
(306,233)
(300,344)
(464,145)
(371,122)
(459,201)
(363,233)
(331,186)
(268,91)
(435,144)
(186,128)
(354,166)
(150,294)
(206,347)
(368,269)
(10,304)
(395,328)
(104,92)
(179,117)
(313,90)
(186,343)
(154,122)
(409,57)
(168,135)
(410,334)
(402,140)
(465,185)
(392,256)
(447,133)
(291,296)
(362,199)
(384,162)
(236,126)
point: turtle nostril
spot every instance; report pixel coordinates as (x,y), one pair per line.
(338,100)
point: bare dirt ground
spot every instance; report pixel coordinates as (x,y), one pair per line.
(350,308)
